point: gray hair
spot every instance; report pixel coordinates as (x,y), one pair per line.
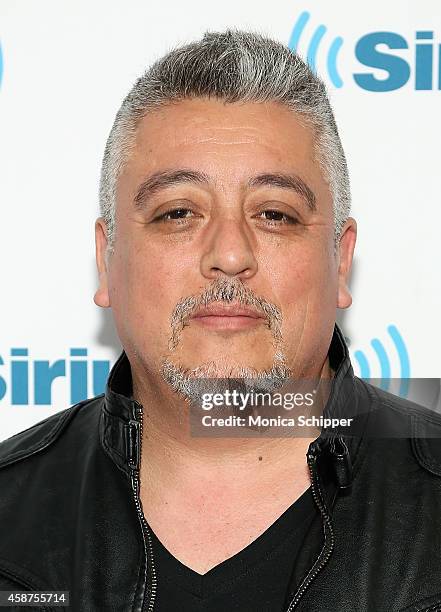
(233,66)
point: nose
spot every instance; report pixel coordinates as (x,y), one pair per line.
(228,250)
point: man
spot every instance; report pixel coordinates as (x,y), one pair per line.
(223,250)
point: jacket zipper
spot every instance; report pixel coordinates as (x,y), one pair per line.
(329,538)
(135,453)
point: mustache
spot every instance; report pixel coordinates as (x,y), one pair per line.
(225,290)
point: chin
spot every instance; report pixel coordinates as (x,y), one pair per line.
(216,376)
(225,367)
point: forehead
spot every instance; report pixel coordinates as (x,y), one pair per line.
(207,123)
(230,142)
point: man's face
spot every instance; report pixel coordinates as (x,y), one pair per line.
(241,205)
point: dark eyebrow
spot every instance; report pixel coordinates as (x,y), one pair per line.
(167,178)
(286,181)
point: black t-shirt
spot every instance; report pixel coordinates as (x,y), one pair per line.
(256,579)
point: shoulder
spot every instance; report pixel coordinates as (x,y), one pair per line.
(396,417)
(46,475)
(43,435)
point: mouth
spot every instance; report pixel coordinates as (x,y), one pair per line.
(228,317)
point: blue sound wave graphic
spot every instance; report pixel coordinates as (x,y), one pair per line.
(385,369)
(317,37)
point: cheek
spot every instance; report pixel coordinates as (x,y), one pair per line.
(304,281)
(145,285)
(137,290)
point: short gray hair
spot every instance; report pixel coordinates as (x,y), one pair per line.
(233,66)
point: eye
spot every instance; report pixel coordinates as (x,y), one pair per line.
(175,215)
(277,217)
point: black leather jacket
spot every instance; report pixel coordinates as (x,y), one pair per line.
(71,518)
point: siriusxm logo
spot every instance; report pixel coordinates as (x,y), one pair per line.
(376,50)
(30,382)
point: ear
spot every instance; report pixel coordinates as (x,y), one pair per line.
(346,251)
(101,297)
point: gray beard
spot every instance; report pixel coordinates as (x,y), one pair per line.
(208,377)
(193,384)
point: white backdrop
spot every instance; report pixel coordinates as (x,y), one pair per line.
(66,67)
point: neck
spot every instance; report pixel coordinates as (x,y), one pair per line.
(169,444)
(208,498)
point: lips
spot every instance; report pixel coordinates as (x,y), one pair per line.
(228,318)
(227,310)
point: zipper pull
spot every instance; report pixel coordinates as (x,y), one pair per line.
(137,410)
(341,461)
(133,444)
(314,450)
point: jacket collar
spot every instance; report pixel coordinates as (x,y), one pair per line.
(119,416)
